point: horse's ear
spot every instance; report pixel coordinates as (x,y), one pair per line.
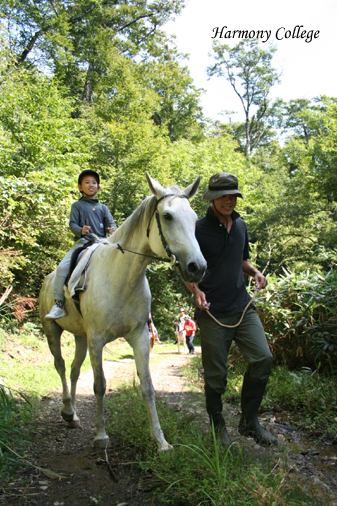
(154,186)
(192,189)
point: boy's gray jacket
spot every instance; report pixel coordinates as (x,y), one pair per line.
(88,211)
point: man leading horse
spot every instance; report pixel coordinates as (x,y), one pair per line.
(223,240)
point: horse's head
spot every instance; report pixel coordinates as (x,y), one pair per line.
(172,231)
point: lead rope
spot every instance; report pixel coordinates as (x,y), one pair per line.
(243,314)
(249,303)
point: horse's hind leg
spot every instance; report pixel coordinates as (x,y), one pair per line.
(53,333)
(80,354)
(141,352)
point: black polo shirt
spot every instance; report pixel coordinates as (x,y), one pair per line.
(224,283)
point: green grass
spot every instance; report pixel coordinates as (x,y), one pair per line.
(14,411)
(26,363)
(198,471)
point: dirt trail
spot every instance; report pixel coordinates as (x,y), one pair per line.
(87,481)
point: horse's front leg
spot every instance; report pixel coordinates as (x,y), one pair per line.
(141,349)
(95,350)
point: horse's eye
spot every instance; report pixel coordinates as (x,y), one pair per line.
(167,216)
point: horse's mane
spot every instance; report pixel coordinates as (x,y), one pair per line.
(143,212)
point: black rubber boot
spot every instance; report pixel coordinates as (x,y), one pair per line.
(251,398)
(220,429)
(214,410)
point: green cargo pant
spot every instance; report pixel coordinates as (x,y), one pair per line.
(216,341)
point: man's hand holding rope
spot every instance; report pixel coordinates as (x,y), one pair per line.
(200,297)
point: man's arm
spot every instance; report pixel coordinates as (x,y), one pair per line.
(199,296)
(260,279)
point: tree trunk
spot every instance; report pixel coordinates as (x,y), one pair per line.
(247,135)
(88,86)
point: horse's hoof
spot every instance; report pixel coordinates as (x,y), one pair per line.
(67,417)
(166,448)
(102,442)
(74,424)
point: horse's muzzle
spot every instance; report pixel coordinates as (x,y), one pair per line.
(194,272)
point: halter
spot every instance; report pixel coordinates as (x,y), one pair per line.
(172,259)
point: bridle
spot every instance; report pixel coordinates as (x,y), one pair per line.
(172,259)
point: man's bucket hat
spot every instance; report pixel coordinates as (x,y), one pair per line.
(221,184)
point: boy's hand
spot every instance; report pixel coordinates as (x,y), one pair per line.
(85,229)
(111,230)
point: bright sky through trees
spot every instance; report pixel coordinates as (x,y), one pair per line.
(308,68)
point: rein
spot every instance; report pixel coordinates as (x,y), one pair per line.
(243,314)
(172,259)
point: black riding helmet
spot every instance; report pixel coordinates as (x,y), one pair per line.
(88,172)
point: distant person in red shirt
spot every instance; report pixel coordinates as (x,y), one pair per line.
(190,327)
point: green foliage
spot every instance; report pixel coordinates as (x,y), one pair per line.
(298,312)
(311,398)
(293,222)
(179,110)
(5,402)
(37,131)
(65,34)
(248,69)
(13,409)
(33,214)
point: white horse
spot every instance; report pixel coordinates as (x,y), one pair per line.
(117,300)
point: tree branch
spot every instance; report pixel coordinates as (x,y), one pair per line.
(30,45)
(135,21)
(74,20)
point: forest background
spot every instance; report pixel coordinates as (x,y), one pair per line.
(100,85)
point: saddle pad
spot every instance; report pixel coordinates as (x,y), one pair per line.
(81,267)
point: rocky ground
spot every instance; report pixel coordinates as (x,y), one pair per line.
(69,471)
